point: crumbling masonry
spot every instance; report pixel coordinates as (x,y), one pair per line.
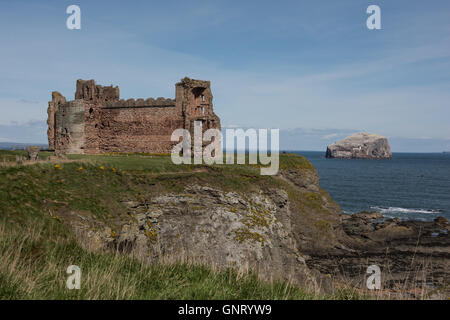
(98,121)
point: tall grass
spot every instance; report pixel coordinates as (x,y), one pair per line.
(35,257)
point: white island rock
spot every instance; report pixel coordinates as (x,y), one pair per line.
(361,145)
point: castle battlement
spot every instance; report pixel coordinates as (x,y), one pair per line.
(141,103)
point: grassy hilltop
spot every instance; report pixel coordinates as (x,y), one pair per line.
(37,246)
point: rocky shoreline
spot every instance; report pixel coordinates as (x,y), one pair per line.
(414,256)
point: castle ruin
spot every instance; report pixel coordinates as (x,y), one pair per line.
(98,121)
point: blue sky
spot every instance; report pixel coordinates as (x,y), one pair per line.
(310,68)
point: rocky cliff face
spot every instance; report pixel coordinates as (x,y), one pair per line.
(271,227)
(360,146)
(224,229)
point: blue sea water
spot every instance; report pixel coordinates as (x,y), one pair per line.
(409,186)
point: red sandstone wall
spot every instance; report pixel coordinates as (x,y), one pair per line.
(131,129)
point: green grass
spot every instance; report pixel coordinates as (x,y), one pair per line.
(35,257)
(135,162)
(294,161)
(36,246)
(42,187)
(10,156)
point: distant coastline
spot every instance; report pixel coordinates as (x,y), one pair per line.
(20,145)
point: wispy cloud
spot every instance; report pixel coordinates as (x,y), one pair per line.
(330,136)
(21,111)
(26,132)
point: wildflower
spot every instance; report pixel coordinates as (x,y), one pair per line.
(80,169)
(102,168)
(151,234)
(58,167)
(113,170)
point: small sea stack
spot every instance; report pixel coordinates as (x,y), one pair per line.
(361,145)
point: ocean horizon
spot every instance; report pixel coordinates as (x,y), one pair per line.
(410,186)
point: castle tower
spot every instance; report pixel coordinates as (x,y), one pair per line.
(53,107)
(194,102)
(88,90)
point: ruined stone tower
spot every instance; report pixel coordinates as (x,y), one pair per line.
(98,121)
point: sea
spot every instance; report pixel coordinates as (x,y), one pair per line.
(410,186)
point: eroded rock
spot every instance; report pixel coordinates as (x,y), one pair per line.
(361,145)
(211,226)
(412,255)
